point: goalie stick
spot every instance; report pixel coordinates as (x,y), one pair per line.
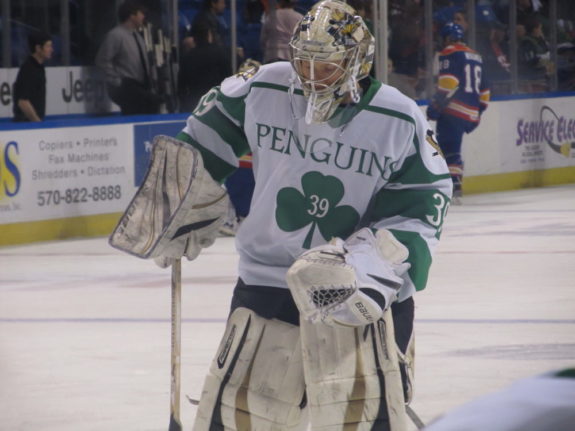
(175,422)
(414,418)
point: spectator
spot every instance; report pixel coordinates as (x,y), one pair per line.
(202,67)
(249,30)
(277,31)
(405,46)
(212,14)
(524,8)
(566,66)
(461,97)
(185,31)
(123,59)
(30,85)
(535,65)
(491,42)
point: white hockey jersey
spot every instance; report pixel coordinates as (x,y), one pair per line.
(373,164)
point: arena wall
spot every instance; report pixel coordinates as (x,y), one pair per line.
(65,179)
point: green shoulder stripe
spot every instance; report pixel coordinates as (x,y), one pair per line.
(230,133)
(426,205)
(234,106)
(218,168)
(419,256)
(414,171)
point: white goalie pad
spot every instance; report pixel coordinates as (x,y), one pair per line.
(353,381)
(256,379)
(177,210)
(348,283)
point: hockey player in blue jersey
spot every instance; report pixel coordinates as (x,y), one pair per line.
(462,96)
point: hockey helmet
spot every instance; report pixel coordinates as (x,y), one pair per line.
(452,31)
(331,50)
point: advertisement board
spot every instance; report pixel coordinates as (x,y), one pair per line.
(69,90)
(66,172)
(62,182)
(522,135)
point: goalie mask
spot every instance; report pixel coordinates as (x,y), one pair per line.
(331,50)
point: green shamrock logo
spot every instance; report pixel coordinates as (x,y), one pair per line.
(316,206)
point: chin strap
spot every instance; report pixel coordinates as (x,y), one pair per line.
(355,90)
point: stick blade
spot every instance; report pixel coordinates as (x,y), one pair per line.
(175,424)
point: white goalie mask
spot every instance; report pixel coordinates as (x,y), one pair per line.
(331,50)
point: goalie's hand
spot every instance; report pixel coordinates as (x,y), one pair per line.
(349,283)
(378,260)
(177,209)
(191,250)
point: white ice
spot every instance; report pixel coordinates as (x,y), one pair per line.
(85,329)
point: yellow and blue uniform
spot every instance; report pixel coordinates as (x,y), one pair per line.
(462,95)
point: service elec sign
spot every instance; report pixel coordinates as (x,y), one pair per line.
(552,128)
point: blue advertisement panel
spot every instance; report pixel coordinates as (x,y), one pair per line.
(143,139)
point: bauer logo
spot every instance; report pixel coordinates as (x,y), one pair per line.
(364,312)
(223,356)
(10,177)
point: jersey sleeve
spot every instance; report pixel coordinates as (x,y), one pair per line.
(449,79)
(414,202)
(215,127)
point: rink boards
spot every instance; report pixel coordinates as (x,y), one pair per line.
(59,180)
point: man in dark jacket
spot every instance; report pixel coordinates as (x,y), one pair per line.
(30,85)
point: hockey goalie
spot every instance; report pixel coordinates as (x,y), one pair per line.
(350,196)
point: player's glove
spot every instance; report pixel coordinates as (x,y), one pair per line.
(433,112)
(178,209)
(349,283)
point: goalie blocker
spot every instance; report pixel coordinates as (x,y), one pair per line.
(177,210)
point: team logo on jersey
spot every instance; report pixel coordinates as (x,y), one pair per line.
(207,101)
(317,207)
(248,69)
(430,138)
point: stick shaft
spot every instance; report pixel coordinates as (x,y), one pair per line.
(414,417)
(175,423)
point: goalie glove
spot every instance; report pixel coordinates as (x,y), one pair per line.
(177,210)
(349,283)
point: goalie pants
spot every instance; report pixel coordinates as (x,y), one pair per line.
(269,367)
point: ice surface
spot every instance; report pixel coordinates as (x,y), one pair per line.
(85,329)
